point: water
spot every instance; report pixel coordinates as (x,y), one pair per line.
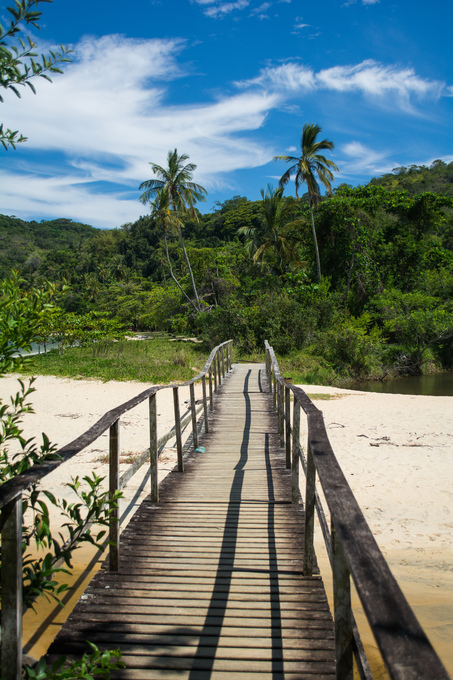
(436,385)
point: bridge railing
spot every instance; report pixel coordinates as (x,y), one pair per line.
(219,363)
(351,547)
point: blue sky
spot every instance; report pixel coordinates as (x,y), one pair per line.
(230,83)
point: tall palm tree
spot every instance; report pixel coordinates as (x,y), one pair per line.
(168,220)
(309,166)
(182,195)
(273,241)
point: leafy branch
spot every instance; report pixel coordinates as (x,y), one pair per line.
(18,59)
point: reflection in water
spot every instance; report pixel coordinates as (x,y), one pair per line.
(436,385)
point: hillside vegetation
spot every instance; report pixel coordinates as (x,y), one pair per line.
(247,270)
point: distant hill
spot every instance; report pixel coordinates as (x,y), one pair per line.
(417,179)
(22,241)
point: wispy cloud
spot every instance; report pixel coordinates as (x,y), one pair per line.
(260,11)
(108,116)
(217,8)
(369,78)
(289,77)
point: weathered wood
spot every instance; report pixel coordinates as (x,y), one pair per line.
(288,422)
(193,409)
(211,578)
(295,463)
(178,428)
(114,481)
(310,489)
(205,405)
(153,452)
(211,396)
(342,609)
(11,590)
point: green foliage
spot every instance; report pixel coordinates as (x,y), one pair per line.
(21,315)
(22,312)
(18,67)
(95,665)
(415,323)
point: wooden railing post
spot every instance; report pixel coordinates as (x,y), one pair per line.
(214,366)
(281,413)
(342,609)
(211,398)
(153,453)
(205,405)
(230,356)
(288,421)
(12,606)
(194,416)
(223,361)
(295,493)
(309,512)
(178,428)
(114,481)
(219,370)
(274,391)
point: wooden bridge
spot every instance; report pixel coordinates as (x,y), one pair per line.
(215,576)
(210,582)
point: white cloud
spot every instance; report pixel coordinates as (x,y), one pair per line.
(108,117)
(370,78)
(377,80)
(260,11)
(225,8)
(289,77)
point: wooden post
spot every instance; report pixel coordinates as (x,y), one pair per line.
(114,481)
(223,360)
(281,413)
(274,393)
(214,361)
(288,421)
(342,609)
(194,416)
(153,453)
(219,371)
(309,513)
(205,405)
(211,399)
(178,428)
(295,493)
(12,605)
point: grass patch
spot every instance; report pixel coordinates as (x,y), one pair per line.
(152,361)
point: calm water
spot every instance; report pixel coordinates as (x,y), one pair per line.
(437,385)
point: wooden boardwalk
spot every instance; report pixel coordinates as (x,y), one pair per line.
(210,585)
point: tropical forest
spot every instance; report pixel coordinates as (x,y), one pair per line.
(347,284)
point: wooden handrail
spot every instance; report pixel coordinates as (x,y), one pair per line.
(13,487)
(11,491)
(405,648)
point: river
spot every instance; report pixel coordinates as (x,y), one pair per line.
(435,385)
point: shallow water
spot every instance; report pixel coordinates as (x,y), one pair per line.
(435,385)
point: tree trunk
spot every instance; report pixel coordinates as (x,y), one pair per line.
(315,241)
(174,277)
(186,257)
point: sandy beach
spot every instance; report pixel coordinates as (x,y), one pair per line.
(395,450)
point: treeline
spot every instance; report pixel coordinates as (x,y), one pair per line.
(383,306)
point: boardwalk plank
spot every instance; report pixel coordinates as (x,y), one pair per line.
(210,583)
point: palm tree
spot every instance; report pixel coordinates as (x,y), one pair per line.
(182,195)
(306,167)
(168,220)
(272,241)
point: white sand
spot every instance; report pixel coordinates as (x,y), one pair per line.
(395,450)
